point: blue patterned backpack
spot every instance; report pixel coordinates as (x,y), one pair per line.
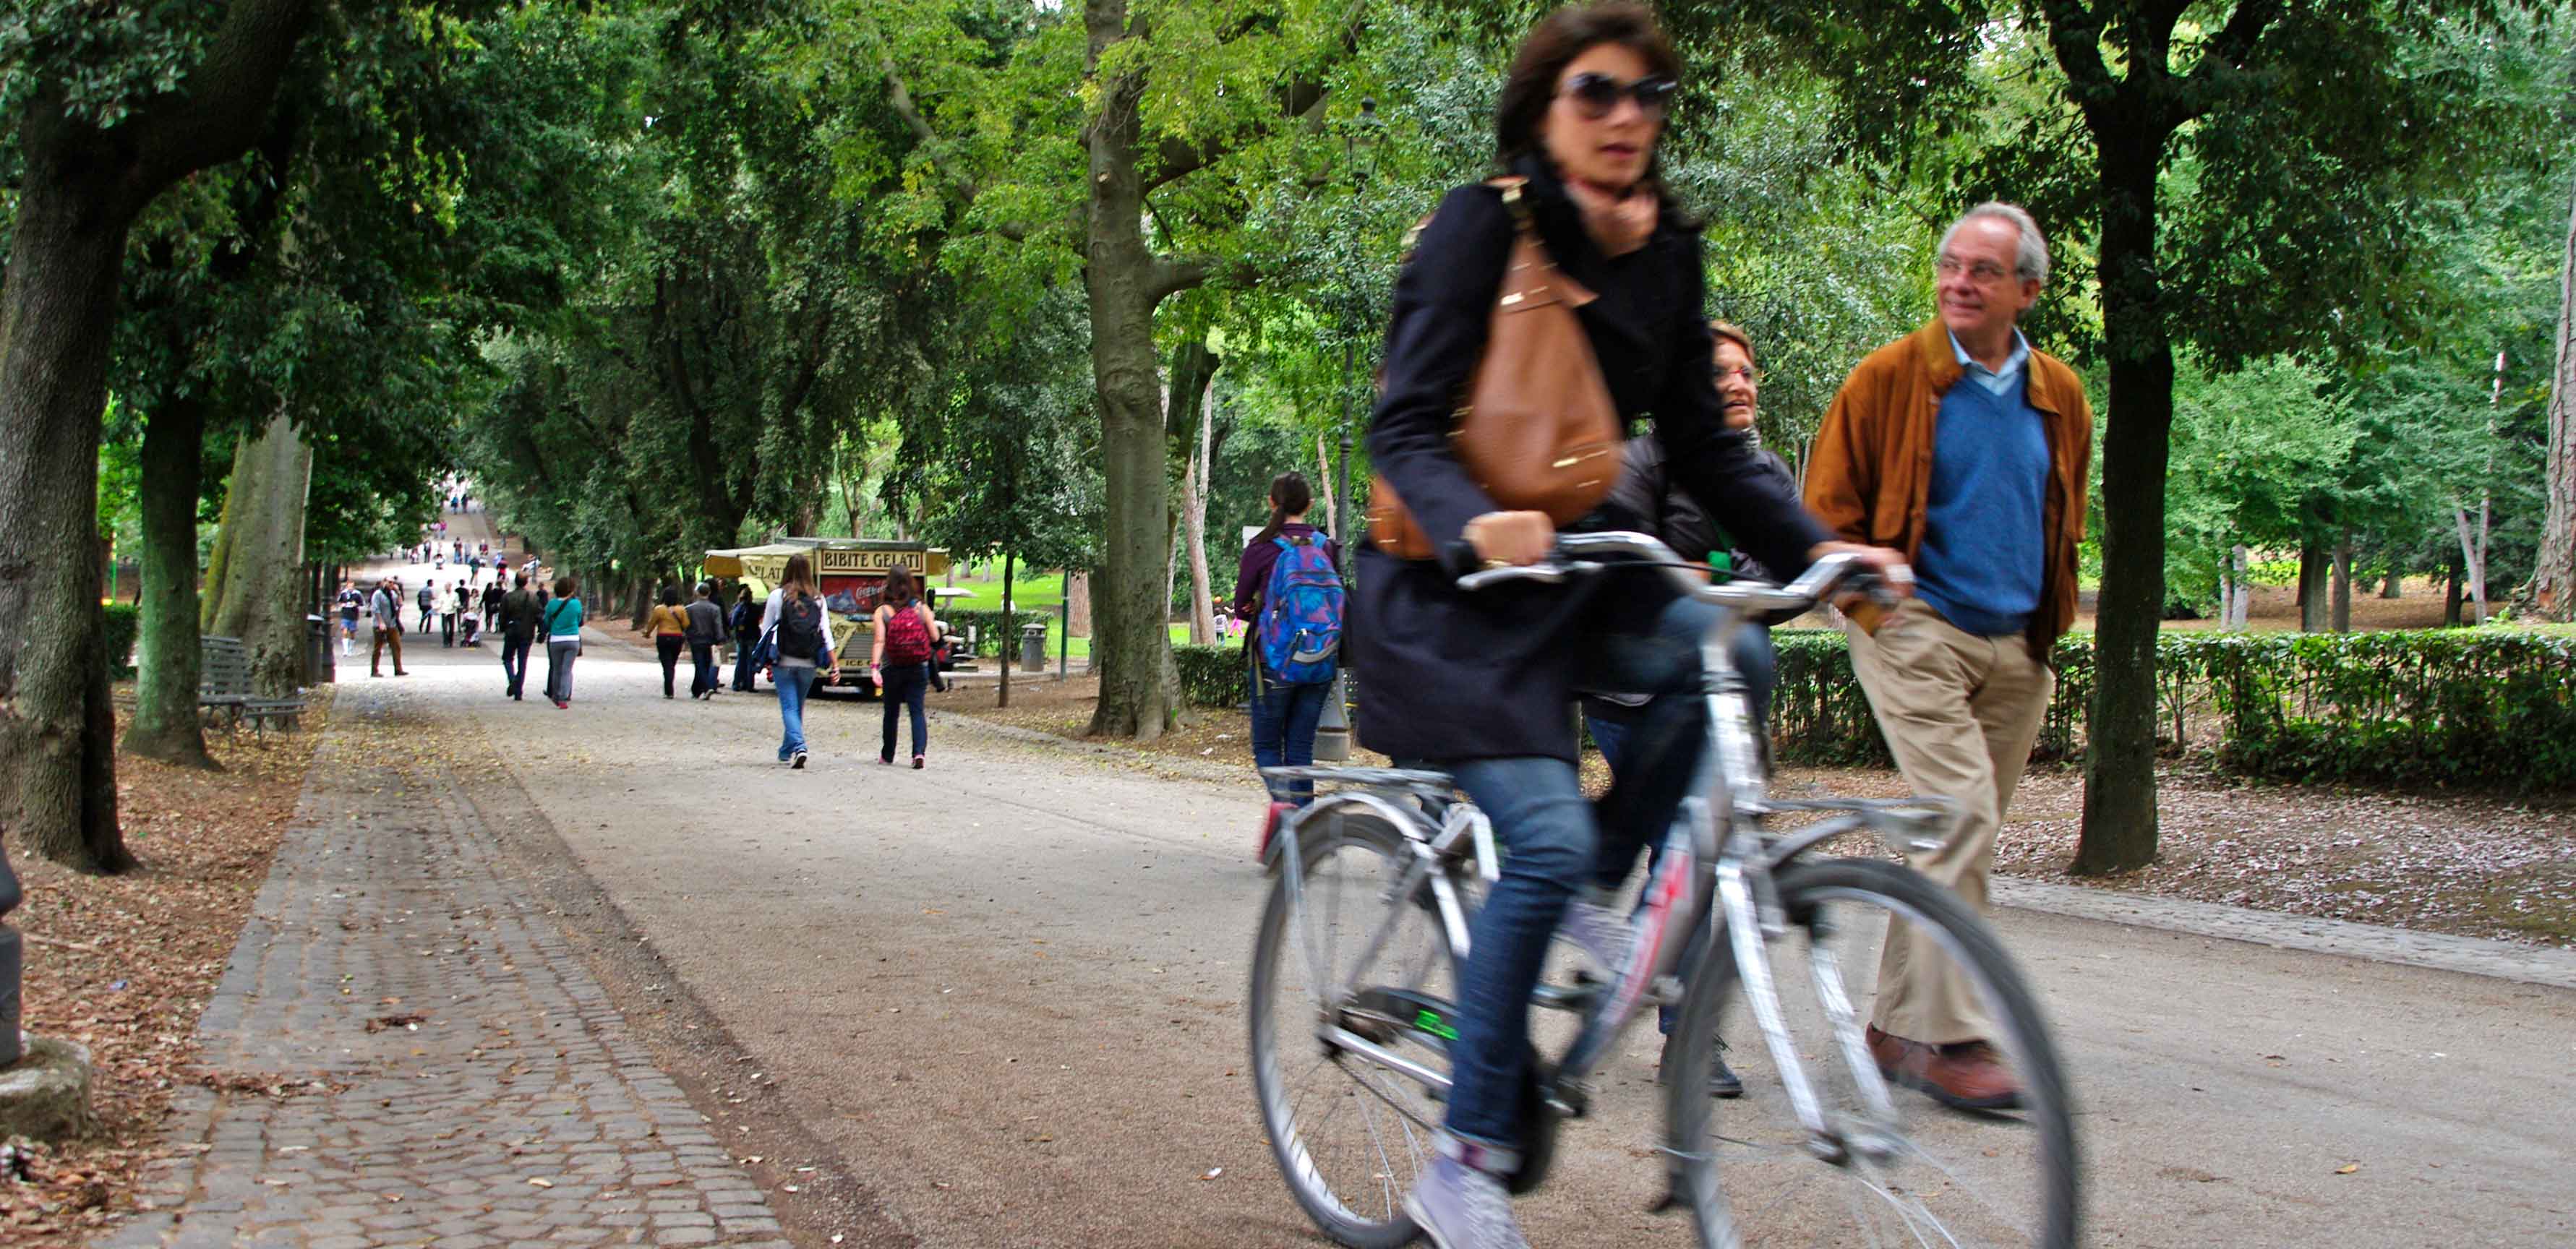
(1301,615)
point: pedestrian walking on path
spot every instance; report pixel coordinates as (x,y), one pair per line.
(669,629)
(904,626)
(518,628)
(386,607)
(706,630)
(1289,565)
(1966,449)
(349,603)
(563,641)
(745,620)
(797,632)
(428,606)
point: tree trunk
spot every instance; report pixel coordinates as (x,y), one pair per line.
(2553,582)
(1010,640)
(167,662)
(262,599)
(2451,596)
(56,311)
(1195,505)
(2315,596)
(2389,585)
(2119,830)
(2473,555)
(1324,483)
(2343,583)
(2240,603)
(1077,598)
(1132,649)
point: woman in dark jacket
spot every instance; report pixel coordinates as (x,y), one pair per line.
(745,620)
(1490,675)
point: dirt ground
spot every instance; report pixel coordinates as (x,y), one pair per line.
(125,964)
(2472,865)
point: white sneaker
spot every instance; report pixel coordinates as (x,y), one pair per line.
(1601,932)
(1460,1207)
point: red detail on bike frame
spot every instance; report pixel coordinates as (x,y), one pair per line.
(1667,894)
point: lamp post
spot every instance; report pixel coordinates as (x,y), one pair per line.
(1333,727)
(1362,135)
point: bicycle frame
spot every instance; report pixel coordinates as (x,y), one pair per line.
(1713,880)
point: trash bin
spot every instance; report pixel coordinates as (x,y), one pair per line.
(318,662)
(1033,647)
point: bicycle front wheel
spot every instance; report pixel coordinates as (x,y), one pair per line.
(1364,951)
(1889,1165)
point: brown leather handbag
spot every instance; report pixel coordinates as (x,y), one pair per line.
(1535,428)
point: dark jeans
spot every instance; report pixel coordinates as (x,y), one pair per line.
(742,648)
(703,655)
(668,645)
(1754,658)
(1554,843)
(447,628)
(1283,729)
(903,687)
(514,662)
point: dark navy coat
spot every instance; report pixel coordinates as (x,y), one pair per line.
(1445,674)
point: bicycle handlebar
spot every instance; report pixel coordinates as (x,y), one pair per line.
(1574,554)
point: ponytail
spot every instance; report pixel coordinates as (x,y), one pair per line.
(1289,496)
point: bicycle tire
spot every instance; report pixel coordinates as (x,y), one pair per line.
(2053,1196)
(1314,1169)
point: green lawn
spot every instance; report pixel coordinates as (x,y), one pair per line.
(1040,593)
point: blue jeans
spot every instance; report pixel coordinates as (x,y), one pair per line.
(792,683)
(1283,729)
(742,649)
(514,663)
(1553,843)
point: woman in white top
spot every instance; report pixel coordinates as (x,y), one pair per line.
(798,627)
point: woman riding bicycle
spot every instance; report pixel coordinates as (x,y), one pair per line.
(1491,675)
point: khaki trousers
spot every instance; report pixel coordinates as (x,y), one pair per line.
(375,656)
(1959,712)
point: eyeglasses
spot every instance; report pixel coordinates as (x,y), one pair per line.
(1597,95)
(1747,372)
(1986,272)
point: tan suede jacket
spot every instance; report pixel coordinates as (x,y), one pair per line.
(1871,472)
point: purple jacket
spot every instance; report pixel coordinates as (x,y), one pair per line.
(1252,575)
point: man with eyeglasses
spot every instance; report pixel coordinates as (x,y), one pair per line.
(1966,449)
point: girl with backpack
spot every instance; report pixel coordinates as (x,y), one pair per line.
(798,631)
(904,628)
(1288,593)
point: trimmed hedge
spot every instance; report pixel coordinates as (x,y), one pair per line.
(124,623)
(2483,708)
(992,625)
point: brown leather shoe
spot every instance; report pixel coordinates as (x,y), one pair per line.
(1965,1076)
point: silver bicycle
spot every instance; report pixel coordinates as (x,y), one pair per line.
(1367,923)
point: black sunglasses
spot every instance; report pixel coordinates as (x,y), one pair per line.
(1596,95)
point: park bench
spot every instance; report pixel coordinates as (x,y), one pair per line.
(223,688)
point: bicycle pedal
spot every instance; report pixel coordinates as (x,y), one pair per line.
(1577,997)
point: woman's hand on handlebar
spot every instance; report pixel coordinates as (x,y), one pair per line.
(1511,537)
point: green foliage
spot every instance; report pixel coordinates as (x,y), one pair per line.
(2488,709)
(123,621)
(1214,676)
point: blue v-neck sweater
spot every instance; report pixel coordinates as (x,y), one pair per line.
(1983,548)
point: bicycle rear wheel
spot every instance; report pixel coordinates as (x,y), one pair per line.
(1891,1169)
(1349,1135)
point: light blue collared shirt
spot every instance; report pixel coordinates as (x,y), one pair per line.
(1996,381)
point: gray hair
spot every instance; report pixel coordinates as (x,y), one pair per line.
(2030,259)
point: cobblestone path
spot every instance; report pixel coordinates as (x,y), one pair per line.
(406,1053)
